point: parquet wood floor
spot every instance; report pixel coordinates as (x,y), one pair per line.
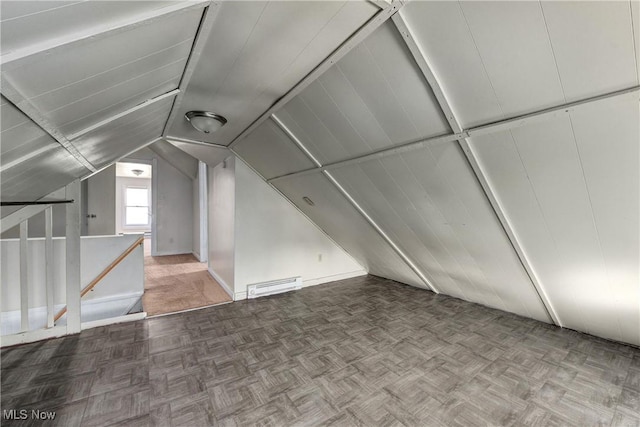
(363,351)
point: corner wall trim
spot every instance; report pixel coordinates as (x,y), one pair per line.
(221,282)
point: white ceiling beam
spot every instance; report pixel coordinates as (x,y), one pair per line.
(595,103)
(386,152)
(374,23)
(480,174)
(407,260)
(124,113)
(195,142)
(24,105)
(21,57)
(380,3)
(206,24)
(121,157)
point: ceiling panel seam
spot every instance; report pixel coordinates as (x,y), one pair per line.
(22,104)
(594,103)
(193,141)
(120,158)
(407,260)
(23,56)
(124,113)
(206,25)
(488,191)
(355,39)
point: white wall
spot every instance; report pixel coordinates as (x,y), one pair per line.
(221,200)
(121,182)
(195,191)
(172,205)
(275,241)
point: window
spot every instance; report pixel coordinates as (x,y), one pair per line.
(136,206)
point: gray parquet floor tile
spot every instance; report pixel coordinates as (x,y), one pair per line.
(360,352)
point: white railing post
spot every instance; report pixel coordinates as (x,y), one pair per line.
(48,259)
(73,257)
(24,276)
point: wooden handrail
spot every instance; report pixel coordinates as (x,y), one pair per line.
(101,276)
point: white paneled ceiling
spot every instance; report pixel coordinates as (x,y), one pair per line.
(124,135)
(32,163)
(28,24)
(333,214)
(269,149)
(503,59)
(538,216)
(85,84)
(374,98)
(257,51)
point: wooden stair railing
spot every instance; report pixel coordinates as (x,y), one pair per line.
(104,272)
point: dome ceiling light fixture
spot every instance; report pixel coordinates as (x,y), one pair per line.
(204,121)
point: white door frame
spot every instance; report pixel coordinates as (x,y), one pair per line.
(154,196)
(203,212)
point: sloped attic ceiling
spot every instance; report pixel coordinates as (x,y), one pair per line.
(485,150)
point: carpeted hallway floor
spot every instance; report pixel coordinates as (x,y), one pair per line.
(178,282)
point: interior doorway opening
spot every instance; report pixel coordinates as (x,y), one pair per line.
(134,213)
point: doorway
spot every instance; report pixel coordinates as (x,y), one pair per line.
(134,213)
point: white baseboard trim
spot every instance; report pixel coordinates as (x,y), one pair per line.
(222,283)
(240,296)
(33,336)
(332,278)
(197,255)
(165,253)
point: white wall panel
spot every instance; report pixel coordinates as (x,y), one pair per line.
(373,98)
(512,40)
(593,45)
(26,23)
(257,51)
(21,137)
(333,213)
(33,164)
(40,175)
(635,16)
(211,155)
(221,188)
(273,240)
(442,33)
(111,141)
(610,155)
(431,204)
(83,84)
(571,188)
(270,151)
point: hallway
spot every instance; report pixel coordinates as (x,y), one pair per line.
(176,283)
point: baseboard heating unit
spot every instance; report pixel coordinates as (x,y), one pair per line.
(274,287)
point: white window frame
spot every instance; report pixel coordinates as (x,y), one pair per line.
(124,207)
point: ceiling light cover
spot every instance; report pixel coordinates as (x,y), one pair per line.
(205,121)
